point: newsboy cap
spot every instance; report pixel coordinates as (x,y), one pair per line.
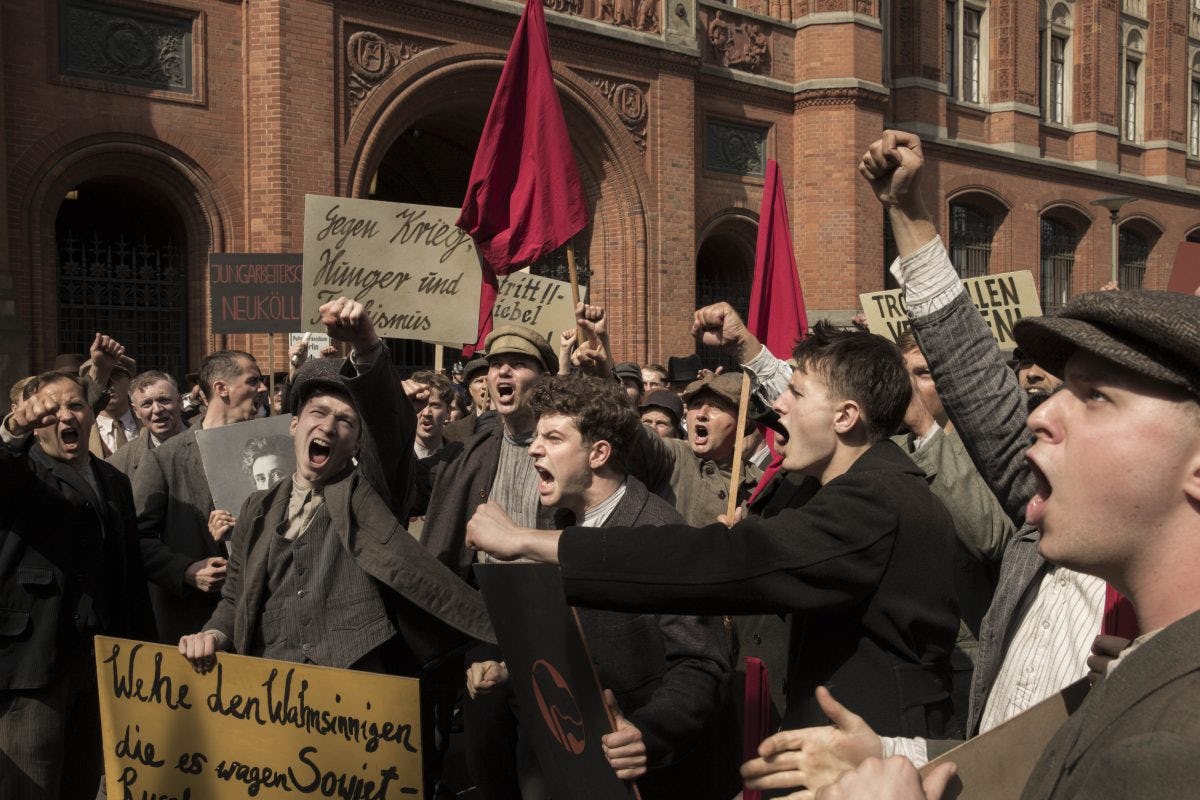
(727,386)
(311,376)
(473,366)
(519,339)
(664,399)
(628,369)
(1155,334)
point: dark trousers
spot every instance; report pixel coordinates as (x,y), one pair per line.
(40,729)
(499,757)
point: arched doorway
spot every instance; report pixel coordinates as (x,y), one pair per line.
(121,254)
(725,271)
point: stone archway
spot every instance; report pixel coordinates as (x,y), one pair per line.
(414,138)
(147,173)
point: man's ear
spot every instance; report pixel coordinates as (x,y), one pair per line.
(1191,483)
(220,389)
(846,414)
(294,424)
(599,454)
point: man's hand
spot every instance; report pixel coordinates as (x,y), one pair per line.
(220,523)
(417,393)
(207,574)
(32,412)
(813,757)
(720,326)
(483,676)
(1111,286)
(625,747)
(892,165)
(1105,649)
(200,649)
(566,340)
(594,353)
(347,321)
(493,531)
(894,779)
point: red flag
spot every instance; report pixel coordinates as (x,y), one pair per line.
(776,317)
(524,198)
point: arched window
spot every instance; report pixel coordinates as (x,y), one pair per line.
(1056,60)
(971,231)
(1133,250)
(724,271)
(1059,241)
(1133,83)
(1194,109)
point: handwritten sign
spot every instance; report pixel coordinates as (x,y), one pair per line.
(1002,300)
(252,727)
(543,304)
(316,342)
(416,273)
(558,695)
(255,292)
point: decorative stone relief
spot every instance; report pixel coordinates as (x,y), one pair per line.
(118,45)
(739,44)
(629,101)
(735,149)
(370,58)
(639,15)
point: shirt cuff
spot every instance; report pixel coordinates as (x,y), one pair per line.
(770,375)
(10,438)
(912,749)
(362,361)
(222,640)
(928,279)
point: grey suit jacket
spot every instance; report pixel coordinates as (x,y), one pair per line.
(1137,733)
(173,502)
(982,397)
(130,456)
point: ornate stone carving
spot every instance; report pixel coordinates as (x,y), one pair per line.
(735,149)
(370,58)
(629,101)
(739,44)
(117,45)
(639,15)
(843,96)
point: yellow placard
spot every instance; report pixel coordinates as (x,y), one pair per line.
(253,727)
(543,304)
(1002,300)
(416,273)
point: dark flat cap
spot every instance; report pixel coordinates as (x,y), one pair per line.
(1155,334)
(683,368)
(473,366)
(319,373)
(628,369)
(664,399)
(519,339)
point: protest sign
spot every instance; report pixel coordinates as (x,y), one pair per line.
(996,765)
(1001,299)
(543,304)
(254,292)
(316,342)
(417,275)
(253,727)
(245,458)
(558,696)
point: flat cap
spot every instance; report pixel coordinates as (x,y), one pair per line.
(519,339)
(628,369)
(318,373)
(664,399)
(473,366)
(727,386)
(1155,334)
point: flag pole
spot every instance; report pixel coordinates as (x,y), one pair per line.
(574,276)
(739,449)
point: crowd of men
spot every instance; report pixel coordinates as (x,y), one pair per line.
(929,540)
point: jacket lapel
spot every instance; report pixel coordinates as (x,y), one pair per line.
(66,475)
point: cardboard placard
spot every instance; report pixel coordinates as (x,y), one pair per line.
(242,459)
(255,292)
(1001,299)
(253,727)
(997,764)
(316,342)
(416,273)
(558,696)
(543,304)
(1185,272)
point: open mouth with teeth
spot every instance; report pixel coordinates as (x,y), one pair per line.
(546,480)
(68,436)
(1035,509)
(505,392)
(699,434)
(318,452)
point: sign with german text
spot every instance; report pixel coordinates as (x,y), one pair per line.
(316,343)
(558,696)
(252,727)
(1002,300)
(543,304)
(254,292)
(416,273)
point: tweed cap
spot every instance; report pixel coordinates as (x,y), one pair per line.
(473,366)
(664,399)
(727,386)
(1155,334)
(318,373)
(519,339)
(628,369)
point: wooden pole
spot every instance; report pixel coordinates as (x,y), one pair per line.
(271,366)
(439,357)
(574,287)
(739,447)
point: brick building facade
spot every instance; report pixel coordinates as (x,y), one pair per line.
(140,136)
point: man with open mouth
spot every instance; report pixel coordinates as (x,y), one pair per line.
(666,671)
(155,399)
(320,573)
(69,569)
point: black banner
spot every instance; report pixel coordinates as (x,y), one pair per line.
(255,292)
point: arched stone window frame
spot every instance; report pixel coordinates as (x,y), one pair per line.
(1133,82)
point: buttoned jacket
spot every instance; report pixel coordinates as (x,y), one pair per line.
(130,456)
